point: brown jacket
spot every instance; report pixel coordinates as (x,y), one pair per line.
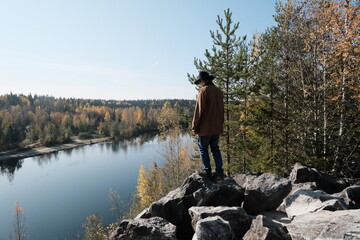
(209,112)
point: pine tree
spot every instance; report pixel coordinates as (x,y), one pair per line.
(228,62)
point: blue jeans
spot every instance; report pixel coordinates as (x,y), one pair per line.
(213,141)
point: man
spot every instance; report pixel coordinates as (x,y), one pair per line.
(208,123)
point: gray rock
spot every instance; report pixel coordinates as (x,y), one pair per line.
(333,205)
(351,196)
(302,174)
(326,225)
(306,201)
(224,193)
(213,228)
(282,207)
(195,191)
(265,192)
(264,228)
(238,219)
(144,214)
(304,186)
(240,178)
(352,236)
(307,185)
(212,210)
(155,228)
(277,216)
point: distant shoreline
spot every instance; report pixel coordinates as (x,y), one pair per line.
(33,152)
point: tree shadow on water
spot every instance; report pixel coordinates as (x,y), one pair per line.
(9,167)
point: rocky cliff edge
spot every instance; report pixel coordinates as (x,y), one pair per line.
(306,205)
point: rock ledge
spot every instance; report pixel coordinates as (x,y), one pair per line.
(307,205)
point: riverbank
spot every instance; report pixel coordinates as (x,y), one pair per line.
(37,151)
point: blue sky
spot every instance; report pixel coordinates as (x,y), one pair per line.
(113,49)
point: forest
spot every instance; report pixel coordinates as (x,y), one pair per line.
(292,93)
(45,120)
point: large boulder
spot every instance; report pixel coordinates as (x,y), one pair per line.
(195,191)
(237,217)
(306,201)
(326,225)
(155,228)
(240,178)
(213,228)
(264,192)
(302,174)
(264,228)
(351,196)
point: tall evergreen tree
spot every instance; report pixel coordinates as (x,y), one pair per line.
(227,61)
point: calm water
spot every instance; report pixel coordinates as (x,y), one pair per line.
(58,191)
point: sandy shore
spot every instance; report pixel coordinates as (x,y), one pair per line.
(46,150)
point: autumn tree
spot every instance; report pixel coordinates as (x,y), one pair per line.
(47,120)
(66,127)
(156,184)
(142,190)
(19,229)
(305,104)
(94,228)
(177,160)
(177,164)
(342,44)
(168,119)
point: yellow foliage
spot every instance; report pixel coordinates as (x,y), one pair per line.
(94,228)
(145,199)
(125,115)
(18,209)
(138,114)
(107,116)
(155,186)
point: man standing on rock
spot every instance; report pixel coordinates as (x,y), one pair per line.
(208,123)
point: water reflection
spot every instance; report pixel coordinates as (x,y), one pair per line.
(77,183)
(46,158)
(146,138)
(124,144)
(68,151)
(8,167)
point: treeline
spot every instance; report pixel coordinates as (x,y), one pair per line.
(47,120)
(292,93)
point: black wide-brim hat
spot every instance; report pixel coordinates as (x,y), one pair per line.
(204,76)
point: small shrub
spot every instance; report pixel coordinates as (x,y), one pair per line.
(85,135)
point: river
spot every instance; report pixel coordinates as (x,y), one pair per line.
(58,191)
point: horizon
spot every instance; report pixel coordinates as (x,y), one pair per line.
(112,50)
(96,99)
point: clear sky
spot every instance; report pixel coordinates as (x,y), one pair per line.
(113,49)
